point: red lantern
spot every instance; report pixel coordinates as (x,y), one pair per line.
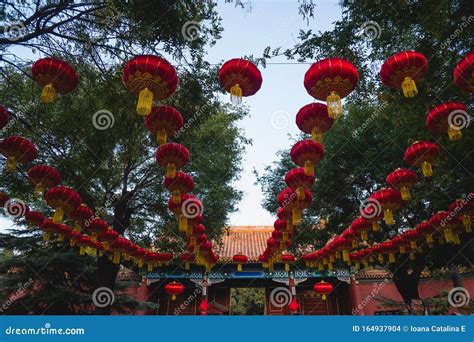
(448,117)
(402,70)
(294,306)
(49,227)
(411,237)
(307,154)
(96,227)
(172,156)
(390,200)
(151,78)
(85,242)
(4,117)
(17,150)
(62,231)
(181,184)
(426,229)
(464,208)
(3,199)
(464,73)
(55,76)
(203,307)
(189,208)
(387,247)
(402,180)
(285,227)
(299,181)
(108,237)
(288,199)
(447,223)
(361,226)
(240,78)
(63,199)
(314,119)
(350,235)
(139,255)
(163,122)
(287,260)
(43,177)
(187,258)
(240,259)
(323,288)
(174,289)
(330,80)
(81,215)
(422,154)
(284,215)
(34,218)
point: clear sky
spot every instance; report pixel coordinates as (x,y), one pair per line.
(272,110)
(274,107)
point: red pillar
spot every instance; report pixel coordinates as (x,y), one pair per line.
(355,297)
(142,295)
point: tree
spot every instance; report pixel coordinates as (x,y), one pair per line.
(379,124)
(101,146)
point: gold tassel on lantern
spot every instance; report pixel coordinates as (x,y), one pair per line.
(345,256)
(116,259)
(466,220)
(176,197)
(308,168)
(376,226)
(145,101)
(412,256)
(82,251)
(48,93)
(448,235)
(161,137)
(380,258)
(429,240)
(364,236)
(402,249)
(239,267)
(365,263)
(330,267)
(391,258)
(317,135)
(334,105)
(183,223)
(296,216)
(236,94)
(170,170)
(300,194)
(409,87)
(405,192)
(413,245)
(11,164)
(324,296)
(354,244)
(454,133)
(39,189)
(58,215)
(426,169)
(388,217)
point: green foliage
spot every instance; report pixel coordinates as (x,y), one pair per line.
(379,123)
(247,301)
(102,148)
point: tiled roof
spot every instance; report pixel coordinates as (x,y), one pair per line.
(248,240)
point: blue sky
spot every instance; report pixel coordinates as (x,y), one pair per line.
(273,108)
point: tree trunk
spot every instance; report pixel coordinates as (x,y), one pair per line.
(106,269)
(406,277)
(455,276)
